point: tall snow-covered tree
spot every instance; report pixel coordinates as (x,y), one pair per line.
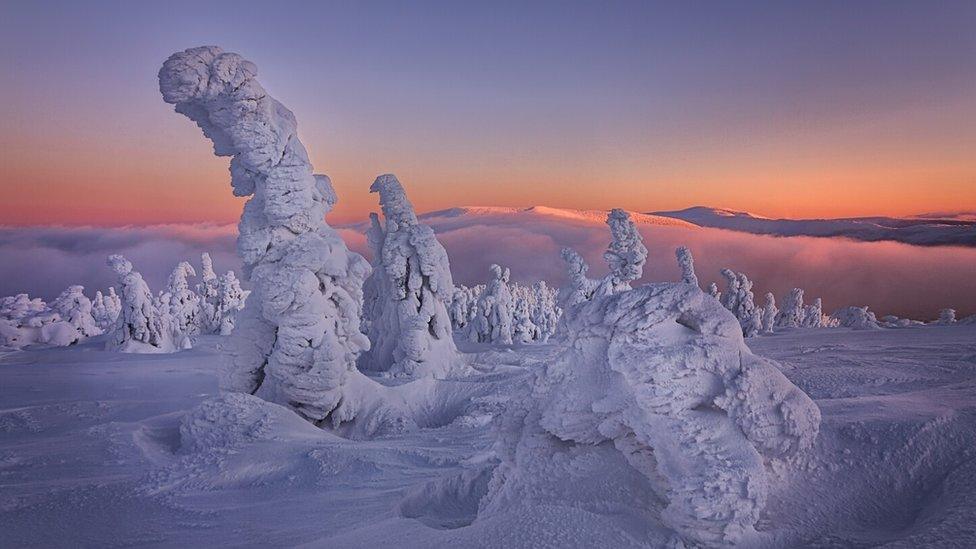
(739,299)
(209,291)
(493,320)
(523,329)
(791,315)
(105,308)
(947,317)
(299,335)
(230,301)
(626,254)
(140,327)
(687,265)
(545,312)
(579,288)
(76,309)
(813,316)
(183,305)
(409,324)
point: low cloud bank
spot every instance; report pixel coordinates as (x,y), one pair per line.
(891,278)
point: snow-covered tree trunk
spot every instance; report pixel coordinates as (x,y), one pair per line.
(687,265)
(299,336)
(409,325)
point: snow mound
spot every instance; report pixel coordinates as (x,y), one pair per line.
(661,376)
(231,420)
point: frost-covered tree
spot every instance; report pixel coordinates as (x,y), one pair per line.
(409,324)
(769,312)
(182,304)
(209,291)
(858,318)
(140,326)
(739,299)
(579,288)
(230,301)
(713,291)
(545,312)
(687,265)
(76,309)
(625,256)
(523,329)
(791,315)
(608,408)
(299,336)
(105,308)
(813,316)
(460,309)
(493,320)
(24,321)
(947,317)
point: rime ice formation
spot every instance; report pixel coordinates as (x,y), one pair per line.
(739,299)
(858,318)
(461,303)
(626,254)
(105,308)
(545,312)
(493,320)
(523,329)
(687,265)
(299,336)
(230,301)
(411,287)
(813,314)
(209,291)
(769,312)
(713,291)
(579,288)
(947,317)
(76,309)
(662,375)
(22,320)
(182,304)
(791,315)
(140,327)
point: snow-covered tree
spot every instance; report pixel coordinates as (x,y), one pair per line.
(523,329)
(209,291)
(493,321)
(739,299)
(545,312)
(409,325)
(461,302)
(610,399)
(947,317)
(140,326)
(182,304)
(230,301)
(769,312)
(579,288)
(858,318)
(813,316)
(105,308)
(713,291)
(625,256)
(687,265)
(298,337)
(76,309)
(791,315)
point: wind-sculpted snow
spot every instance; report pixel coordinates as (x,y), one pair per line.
(662,375)
(299,336)
(410,289)
(626,254)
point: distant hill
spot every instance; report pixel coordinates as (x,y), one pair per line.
(923,230)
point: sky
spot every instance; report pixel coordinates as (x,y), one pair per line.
(786,109)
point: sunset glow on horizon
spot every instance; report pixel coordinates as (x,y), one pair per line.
(831,110)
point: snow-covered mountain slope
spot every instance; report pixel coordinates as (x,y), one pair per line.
(92,453)
(521,215)
(927,230)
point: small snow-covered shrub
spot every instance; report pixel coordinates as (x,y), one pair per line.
(858,318)
(947,317)
(658,387)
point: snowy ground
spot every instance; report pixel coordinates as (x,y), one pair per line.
(91,455)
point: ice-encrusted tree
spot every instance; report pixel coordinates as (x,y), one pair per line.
(713,291)
(182,304)
(209,291)
(409,324)
(769,312)
(493,320)
(813,314)
(608,414)
(298,337)
(105,308)
(140,326)
(461,302)
(739,299)
(76,309)
(947,317)
(545,312)
(523,329)
(230,301)
(687,265)
(791,315)
(579,287)
(858,318)
(625,256)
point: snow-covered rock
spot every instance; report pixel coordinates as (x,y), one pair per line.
(661,379)
(298,337)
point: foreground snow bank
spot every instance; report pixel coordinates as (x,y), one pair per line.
(656,384)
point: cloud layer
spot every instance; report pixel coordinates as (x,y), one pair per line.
(889,277)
